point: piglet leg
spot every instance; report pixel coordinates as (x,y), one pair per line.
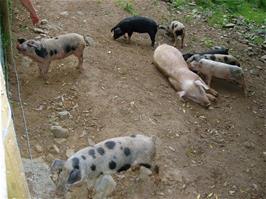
(211,97)
(174,83)
(212,92)
(208,80)
(182,39)
(80,59)
(175,37)
(43,68)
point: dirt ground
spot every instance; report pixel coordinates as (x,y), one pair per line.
(215,153)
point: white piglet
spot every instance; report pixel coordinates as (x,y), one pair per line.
(189,85)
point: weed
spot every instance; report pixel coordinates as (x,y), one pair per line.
(127,6)
(207,42)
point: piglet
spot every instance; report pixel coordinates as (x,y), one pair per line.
(213,50)
(95,165)
(211,69)
(170,61)
(46,50)
(177,29)
(228,59)
(137,24)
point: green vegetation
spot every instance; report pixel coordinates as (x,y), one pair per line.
(251,10)
(208,42)
(217,13)
(222,11)
(127,6)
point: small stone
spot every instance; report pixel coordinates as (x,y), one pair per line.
(232,192)
(263,46)
(259,67)
(59,132)
(249,145)
(38,148)
(264,156)
(263,58)
(60,140)
(144,172)
(64,114)
(38,37)
(80,13)
(44,21)
(254,72)
(171,148)
(229,25)
(91,142)
(161,194)
(65,13)
(50,157)
(39,30)
(192,4)
(69,152)
(54,149)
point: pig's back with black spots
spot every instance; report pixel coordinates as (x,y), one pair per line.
(64,45)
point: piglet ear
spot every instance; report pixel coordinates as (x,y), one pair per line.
(200,83)
(74,176)
(181,95)
(34,45)
(57,165)
(21,40)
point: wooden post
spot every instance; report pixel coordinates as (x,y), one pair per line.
(12,166)
(13,183)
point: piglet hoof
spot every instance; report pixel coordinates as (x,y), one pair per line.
(213,92)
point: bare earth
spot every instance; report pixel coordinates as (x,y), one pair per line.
(217,153)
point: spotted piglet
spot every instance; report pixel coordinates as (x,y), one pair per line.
(228,59)
(211,69)
(177,29)
(96,164)
(46,50)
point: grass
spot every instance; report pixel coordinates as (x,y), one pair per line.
(127,6)
(221,12)
(208,42)
(224,10)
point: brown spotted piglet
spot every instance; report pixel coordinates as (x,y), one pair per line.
(188,85)
(46,50)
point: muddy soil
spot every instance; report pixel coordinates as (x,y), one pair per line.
(215,153)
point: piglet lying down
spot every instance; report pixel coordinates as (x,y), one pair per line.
(46,50)
(95,165)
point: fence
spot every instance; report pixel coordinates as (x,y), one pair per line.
(12,178)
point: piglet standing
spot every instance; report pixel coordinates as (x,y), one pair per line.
(95,165)
(46,50)
(211,69)
(177,29)
(189,85)
(137,24)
